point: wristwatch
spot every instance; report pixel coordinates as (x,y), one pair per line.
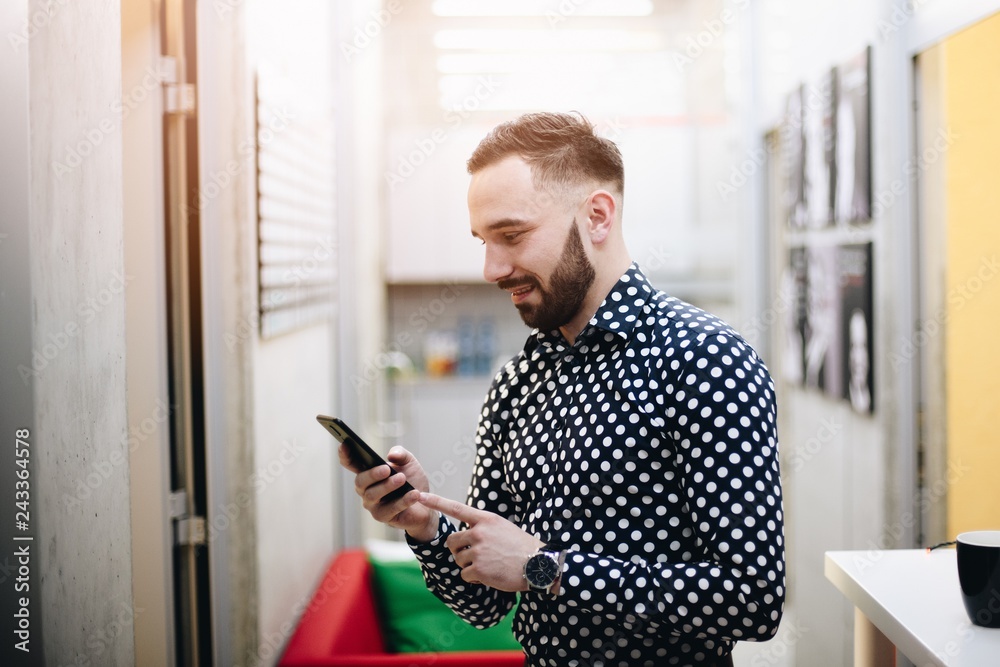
(543,570)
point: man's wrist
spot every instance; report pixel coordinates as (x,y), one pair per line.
(429,530)
(543,570)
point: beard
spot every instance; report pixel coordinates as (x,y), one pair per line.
(567,290)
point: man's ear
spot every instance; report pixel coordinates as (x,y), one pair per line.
(601,213)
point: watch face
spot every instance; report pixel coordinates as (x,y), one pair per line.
(541,570)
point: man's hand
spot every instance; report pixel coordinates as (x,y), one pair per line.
(492,550)
(372,485)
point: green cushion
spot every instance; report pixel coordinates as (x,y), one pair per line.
(414,621)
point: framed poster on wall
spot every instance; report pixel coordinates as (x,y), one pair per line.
(853,189)
(793,161)
(794,288)
(829,322)
(822,369)
(819,138)
(854,263)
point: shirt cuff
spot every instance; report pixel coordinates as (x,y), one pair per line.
(424,549)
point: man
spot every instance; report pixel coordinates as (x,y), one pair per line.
(626,480)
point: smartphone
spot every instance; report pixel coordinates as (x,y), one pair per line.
(362,456)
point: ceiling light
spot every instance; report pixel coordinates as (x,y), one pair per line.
(565,8)
(548,40)
(505,63)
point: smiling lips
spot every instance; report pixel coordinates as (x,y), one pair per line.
(521,293)
(520,287)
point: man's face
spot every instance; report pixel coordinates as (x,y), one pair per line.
(533,245)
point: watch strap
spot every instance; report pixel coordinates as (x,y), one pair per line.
(557,582)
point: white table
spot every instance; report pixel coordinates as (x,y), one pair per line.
(911,599)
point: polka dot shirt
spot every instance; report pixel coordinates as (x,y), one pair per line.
(648,450)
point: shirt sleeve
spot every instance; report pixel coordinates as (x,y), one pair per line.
(721,418)
(477,604)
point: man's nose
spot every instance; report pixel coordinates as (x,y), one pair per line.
(497,265)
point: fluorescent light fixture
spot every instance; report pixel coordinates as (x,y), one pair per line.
(507,63)
(535,8)
(548,40)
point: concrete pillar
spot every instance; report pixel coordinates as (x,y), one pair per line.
(81,485)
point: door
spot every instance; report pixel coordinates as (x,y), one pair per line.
(956,164)
(191,584)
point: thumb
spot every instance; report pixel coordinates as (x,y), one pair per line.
(399,456)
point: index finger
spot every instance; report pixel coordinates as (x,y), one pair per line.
(453,508)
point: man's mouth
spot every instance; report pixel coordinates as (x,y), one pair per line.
(518,291)
(519,294)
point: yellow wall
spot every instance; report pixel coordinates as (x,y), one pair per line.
(972,345)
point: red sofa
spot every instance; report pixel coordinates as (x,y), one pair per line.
(340,627)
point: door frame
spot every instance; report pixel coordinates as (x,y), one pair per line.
(149,409)
(925,460)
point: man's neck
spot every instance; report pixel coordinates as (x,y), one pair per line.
(603,284)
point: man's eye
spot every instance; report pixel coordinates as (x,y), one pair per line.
(510,237)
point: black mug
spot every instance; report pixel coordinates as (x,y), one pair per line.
(979,576)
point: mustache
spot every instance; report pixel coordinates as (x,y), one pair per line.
(511,283)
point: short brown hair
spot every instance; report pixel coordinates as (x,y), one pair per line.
(560,148)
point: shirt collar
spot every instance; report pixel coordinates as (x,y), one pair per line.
(617,314)
(623,305)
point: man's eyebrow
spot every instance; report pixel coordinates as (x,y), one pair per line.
(505,223)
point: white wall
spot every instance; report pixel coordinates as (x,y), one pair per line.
(228,270)
(294,374)
(362,220)
(849,478)
(295,466)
